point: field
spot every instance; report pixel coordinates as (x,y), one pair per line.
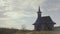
(42,32)
(16,31)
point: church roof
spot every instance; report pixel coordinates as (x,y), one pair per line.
(45,19)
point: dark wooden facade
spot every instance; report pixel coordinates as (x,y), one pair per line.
(43,23)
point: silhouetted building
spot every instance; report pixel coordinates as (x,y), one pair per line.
(43,23)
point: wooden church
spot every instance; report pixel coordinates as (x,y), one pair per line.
(44,23)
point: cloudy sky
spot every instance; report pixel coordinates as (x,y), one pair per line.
(15,13)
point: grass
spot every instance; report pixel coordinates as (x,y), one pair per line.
(41,32)
(16,31)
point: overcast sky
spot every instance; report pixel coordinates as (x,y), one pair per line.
(15,13)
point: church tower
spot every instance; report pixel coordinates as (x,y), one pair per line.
(37,24)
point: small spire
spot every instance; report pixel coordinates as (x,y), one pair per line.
(39,10)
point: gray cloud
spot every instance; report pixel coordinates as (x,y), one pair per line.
(19,12)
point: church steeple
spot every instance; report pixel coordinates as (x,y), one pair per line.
(39,11)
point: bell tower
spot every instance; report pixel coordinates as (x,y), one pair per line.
(37,24)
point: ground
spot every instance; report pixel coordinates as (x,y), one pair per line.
(16,31)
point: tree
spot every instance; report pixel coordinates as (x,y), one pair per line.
(23,27)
